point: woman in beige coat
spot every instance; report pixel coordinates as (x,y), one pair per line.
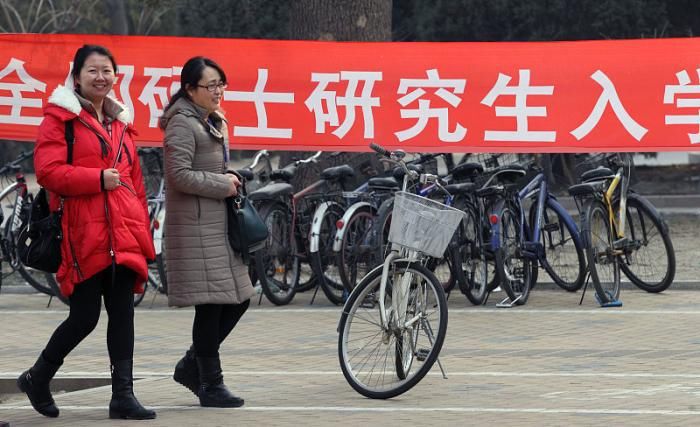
(203,270)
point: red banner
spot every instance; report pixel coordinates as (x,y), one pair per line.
(614,95)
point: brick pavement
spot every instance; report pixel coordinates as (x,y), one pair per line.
(551,362)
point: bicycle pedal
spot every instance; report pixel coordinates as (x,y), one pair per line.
(422,354)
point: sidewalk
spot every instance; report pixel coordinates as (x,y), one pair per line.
(551,362)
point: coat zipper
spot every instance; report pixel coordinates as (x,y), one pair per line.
(76,266)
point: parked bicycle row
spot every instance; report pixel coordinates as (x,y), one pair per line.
(329,235)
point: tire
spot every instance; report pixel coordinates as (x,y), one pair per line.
(323,261)
(357,255)
(564,257)
(162,274)
(277,264)
(35,278)
(603,263)
(650,260)
(56,288)
(470,259)
(383,225)
(361,338)
(515,272)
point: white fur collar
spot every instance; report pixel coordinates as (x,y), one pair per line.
(66,98)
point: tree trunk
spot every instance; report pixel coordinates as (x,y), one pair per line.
(117,12)
(340,20)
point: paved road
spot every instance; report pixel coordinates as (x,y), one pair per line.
(551,362)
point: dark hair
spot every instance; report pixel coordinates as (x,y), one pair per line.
(191,74)
(82,54)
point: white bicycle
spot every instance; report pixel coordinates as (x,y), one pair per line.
(394,322)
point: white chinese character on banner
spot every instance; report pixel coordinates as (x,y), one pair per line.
(609,96)
(684,88)
(156,96)
(350,101)
(127,72)
(17,101)
(520,111)
(259,97)
(424,112)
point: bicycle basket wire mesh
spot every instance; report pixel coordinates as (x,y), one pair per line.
(422,224)
(152,170)
(590,161)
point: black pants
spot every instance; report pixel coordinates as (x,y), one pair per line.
(212,324)
(85,307)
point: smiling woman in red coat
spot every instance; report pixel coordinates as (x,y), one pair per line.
(106,241)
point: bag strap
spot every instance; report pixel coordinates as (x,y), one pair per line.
(70,140)
(241,221)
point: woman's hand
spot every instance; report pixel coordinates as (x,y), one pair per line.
(110,178)
(235,183)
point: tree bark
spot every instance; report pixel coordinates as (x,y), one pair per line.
(340,20)
(117,12)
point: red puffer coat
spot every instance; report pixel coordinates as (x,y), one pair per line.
(97,225)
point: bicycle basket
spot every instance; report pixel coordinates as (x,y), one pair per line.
(422,224)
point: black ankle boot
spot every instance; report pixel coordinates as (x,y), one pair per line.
(212,391)
(186,371)
(124,404)
(35,382)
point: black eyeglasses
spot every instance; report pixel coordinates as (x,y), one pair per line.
(212,87)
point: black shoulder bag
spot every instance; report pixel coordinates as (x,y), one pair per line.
(39,240)
(247,232)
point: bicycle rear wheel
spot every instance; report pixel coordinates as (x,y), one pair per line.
(603,261)
(35,278)
(650,260)
(323,261)
(277,264)
(515,271)
(381,363)
(471,263)
(357,255)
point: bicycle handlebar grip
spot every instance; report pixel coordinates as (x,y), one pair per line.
(379,149)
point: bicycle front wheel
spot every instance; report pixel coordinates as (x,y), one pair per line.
(357,254)
(384,362)
(603,261)
(650,260)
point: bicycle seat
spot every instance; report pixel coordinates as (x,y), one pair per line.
(596,174)
(509,173)
(337,173)
(378,183)
(399,172)
(272,191)
(467,171)
(285,174)
(587,188)
(464,188)
(246,173)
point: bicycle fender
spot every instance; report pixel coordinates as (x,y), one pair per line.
(563,213)
(319,213)
(346,218)
(158,233)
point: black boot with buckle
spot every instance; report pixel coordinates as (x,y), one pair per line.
(35,382)
(212,391)
(186,371)
(124,404)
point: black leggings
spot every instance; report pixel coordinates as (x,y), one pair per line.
(85,306)
(212,324)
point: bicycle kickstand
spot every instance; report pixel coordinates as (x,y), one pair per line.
(585,286)
(507,303)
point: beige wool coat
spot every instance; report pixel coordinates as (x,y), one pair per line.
(201,266)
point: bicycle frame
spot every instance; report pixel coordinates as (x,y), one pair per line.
(619,180)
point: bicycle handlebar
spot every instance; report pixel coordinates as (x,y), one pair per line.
(14,166)
(259,155)
(310,159)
